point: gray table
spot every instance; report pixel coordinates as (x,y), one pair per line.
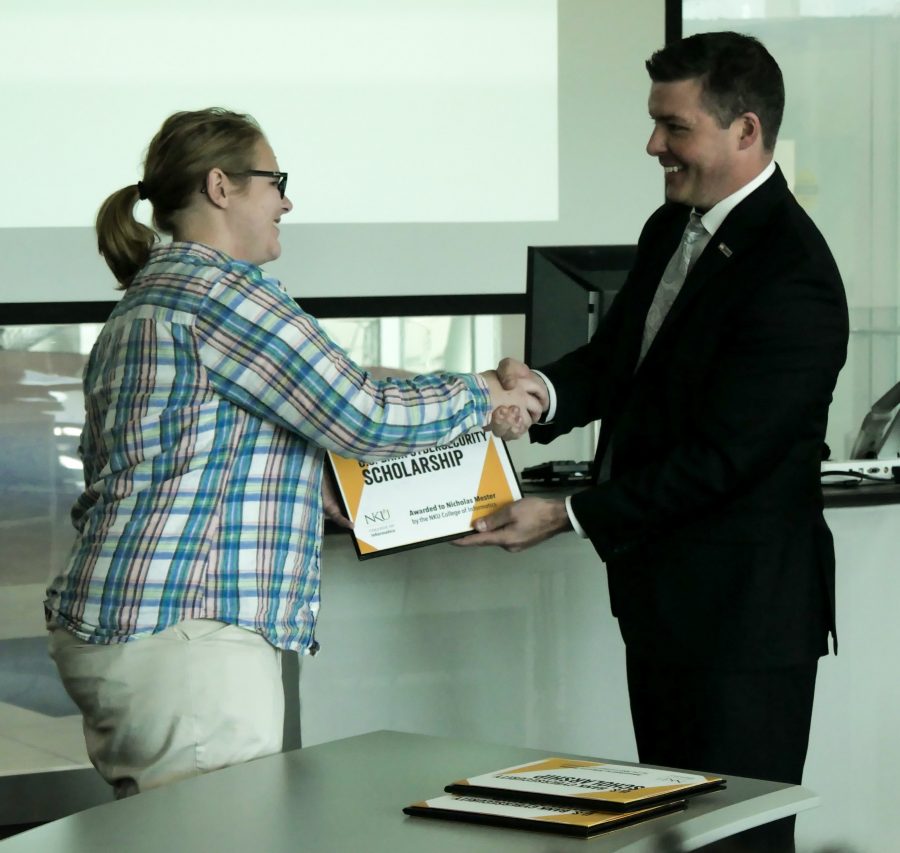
(346,797)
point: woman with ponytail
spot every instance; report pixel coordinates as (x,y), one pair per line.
(211,398)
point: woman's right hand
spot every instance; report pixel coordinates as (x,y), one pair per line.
(518,398)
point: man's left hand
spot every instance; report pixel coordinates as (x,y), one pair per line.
(520,525)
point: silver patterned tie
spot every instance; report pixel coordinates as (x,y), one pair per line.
(692,242)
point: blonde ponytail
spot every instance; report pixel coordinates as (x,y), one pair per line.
(124,242)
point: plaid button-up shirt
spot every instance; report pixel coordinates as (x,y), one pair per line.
(210,399)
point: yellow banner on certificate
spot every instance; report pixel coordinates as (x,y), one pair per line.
(423,497)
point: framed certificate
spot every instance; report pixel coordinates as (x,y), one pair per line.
(428,496)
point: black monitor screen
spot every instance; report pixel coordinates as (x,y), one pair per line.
(569,289)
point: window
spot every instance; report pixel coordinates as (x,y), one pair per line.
(838,150)
(42,413)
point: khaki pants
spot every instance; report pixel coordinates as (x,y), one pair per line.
(196,697)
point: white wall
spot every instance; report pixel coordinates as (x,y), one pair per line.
(606,184)
(385,111)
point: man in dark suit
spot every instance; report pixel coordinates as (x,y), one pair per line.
(711,376)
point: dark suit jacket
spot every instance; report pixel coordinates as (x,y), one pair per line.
(711,524)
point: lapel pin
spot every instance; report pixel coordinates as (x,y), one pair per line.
(725,250)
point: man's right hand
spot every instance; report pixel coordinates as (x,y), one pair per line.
(513,373)
(509,420)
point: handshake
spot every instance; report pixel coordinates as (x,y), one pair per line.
(518,398)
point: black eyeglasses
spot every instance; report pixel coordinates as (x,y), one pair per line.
(282,178)
(260,173)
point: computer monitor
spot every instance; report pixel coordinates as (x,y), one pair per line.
(568,290)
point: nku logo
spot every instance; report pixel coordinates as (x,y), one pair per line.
(379,516)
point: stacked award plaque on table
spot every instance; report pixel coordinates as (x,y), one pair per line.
(568,796)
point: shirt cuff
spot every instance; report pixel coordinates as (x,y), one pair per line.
(575,525)
(551,392)
(478,386)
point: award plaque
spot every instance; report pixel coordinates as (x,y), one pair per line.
(428,496)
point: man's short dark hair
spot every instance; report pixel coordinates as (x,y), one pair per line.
(736,72)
